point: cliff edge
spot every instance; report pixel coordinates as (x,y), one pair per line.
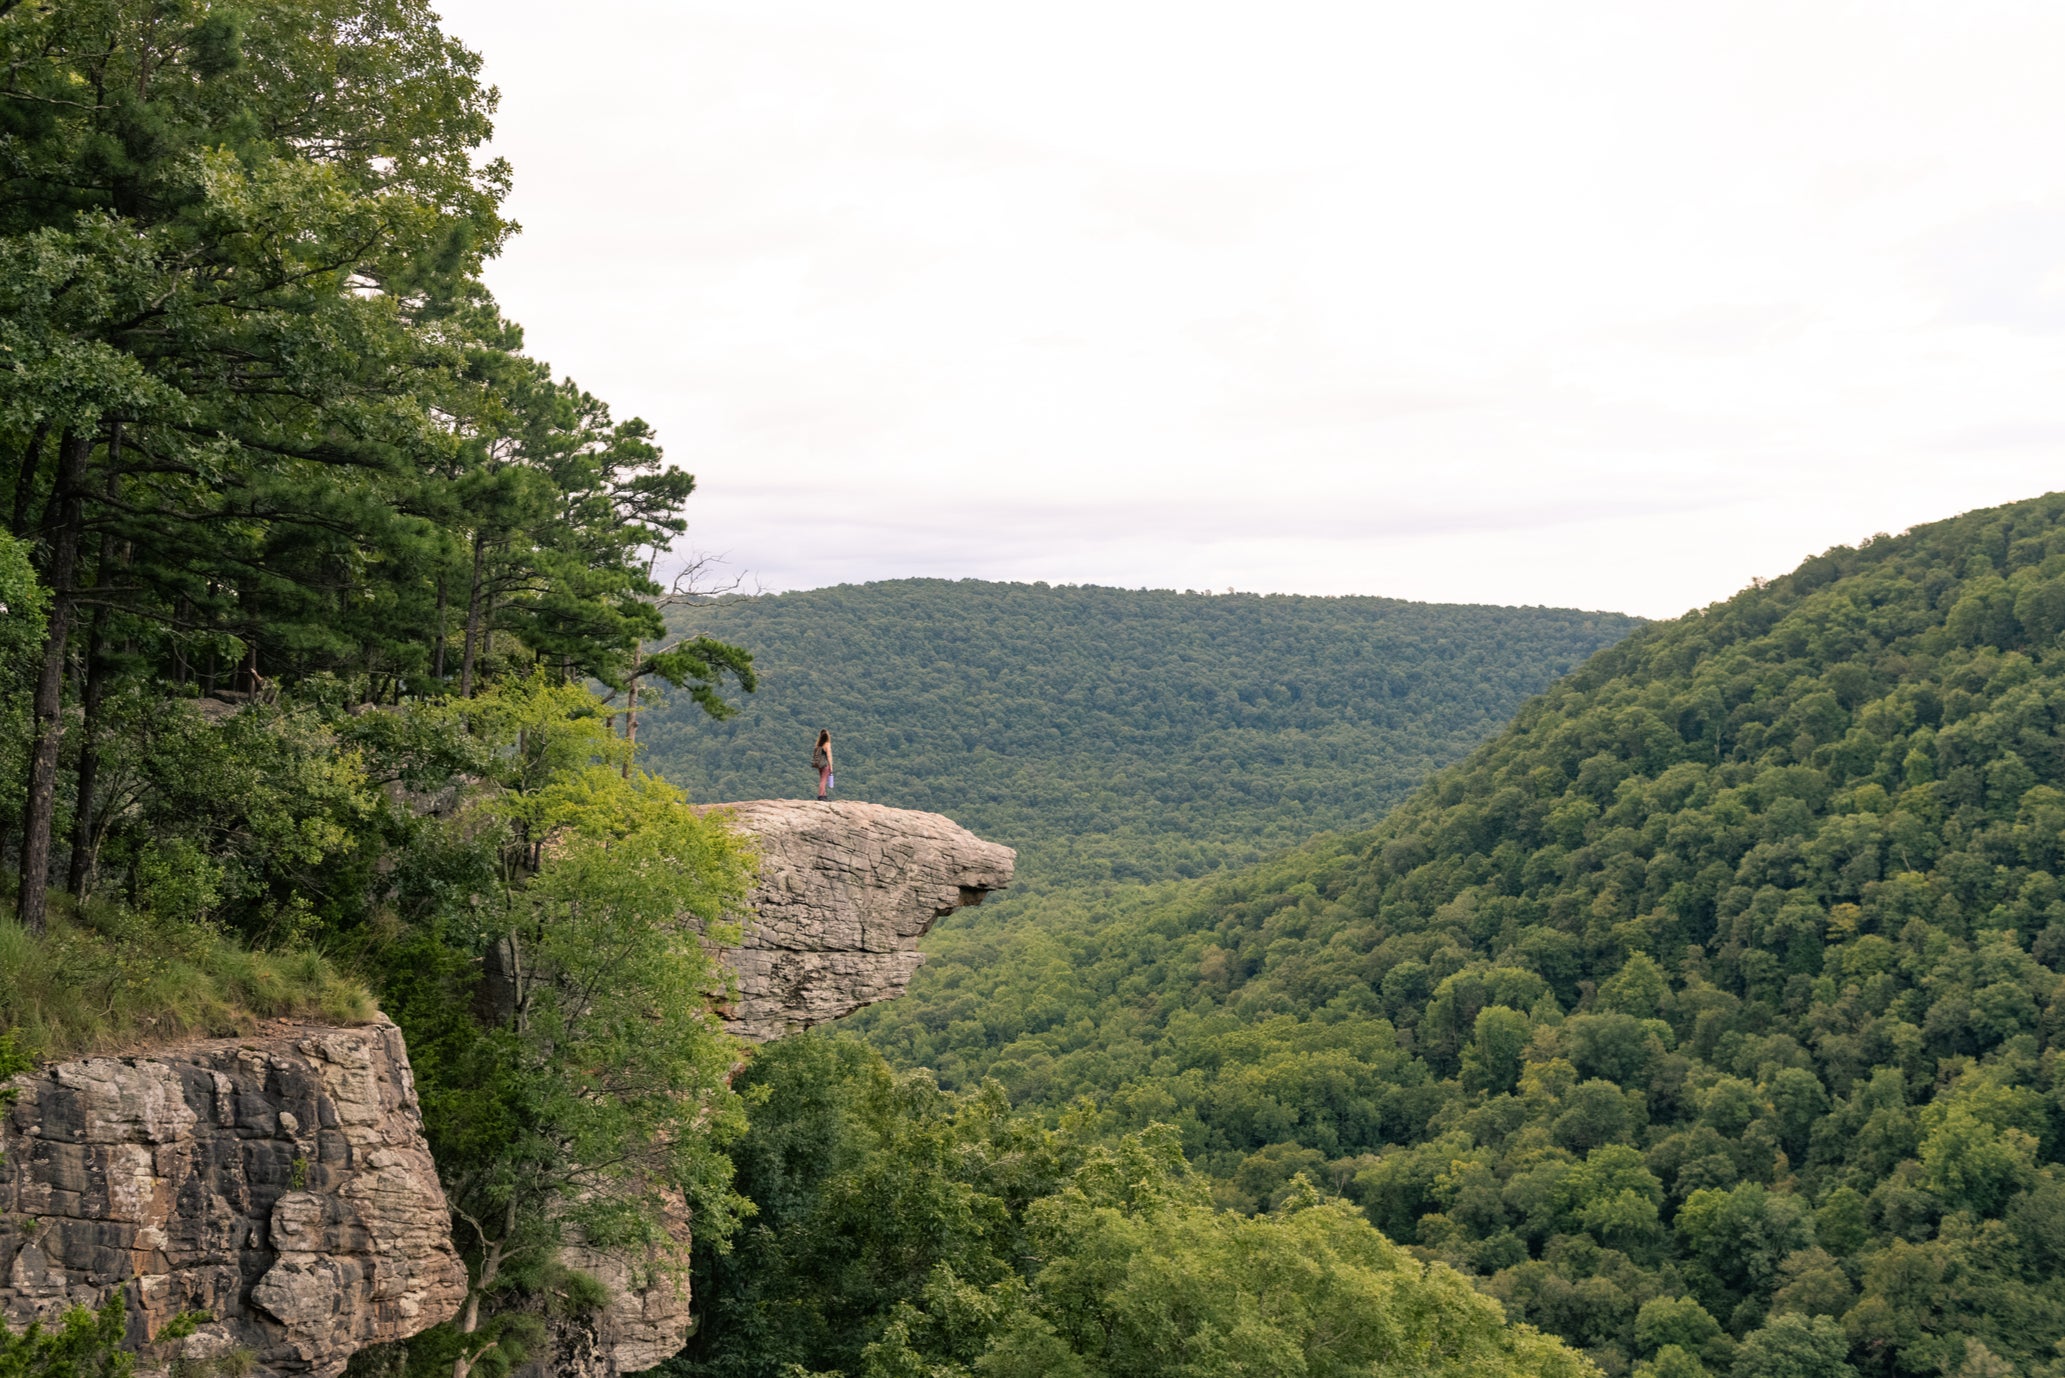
(280,1183)
(845,892)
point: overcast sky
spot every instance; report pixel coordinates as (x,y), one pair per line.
(1614,306)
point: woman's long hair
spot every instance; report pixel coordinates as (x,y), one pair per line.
(824,736)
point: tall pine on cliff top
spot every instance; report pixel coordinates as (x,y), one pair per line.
(1711,1013)
(261,424)
(271,459)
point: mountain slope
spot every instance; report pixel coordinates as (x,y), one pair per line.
(1115,734)
(1710,1013)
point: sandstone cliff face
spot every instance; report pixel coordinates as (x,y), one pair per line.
(646,1321)
(845,892)
(280,1183)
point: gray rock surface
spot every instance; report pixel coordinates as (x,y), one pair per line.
(646,1321)
(845,892)
(279,1182)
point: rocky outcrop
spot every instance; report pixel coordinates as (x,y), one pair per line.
(845,892)
(279,1183)
(646,1321)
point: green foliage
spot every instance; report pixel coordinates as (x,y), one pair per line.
(12,1062)
(1114,734)
(1672,1361)
(307,565)
(264,421)
(23,601)
(579,1090)
(600,1086)
(1681,1323)
(84,1344)
(902,1230)
(1795,1347)
(24,604)
(1176,1286)
(1771,900)
(107,977)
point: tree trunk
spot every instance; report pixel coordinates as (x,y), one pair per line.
(180,668)
(25,478)
(89,753)
(473,600)
(437,655)
(97,669)
(67,506)
(631,717)
(469,1317)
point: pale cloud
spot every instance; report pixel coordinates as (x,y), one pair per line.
(1614,305)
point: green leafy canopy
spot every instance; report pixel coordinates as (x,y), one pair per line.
(1729,975)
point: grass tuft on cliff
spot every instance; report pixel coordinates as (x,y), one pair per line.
(106,978)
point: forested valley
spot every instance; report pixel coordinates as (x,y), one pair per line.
(324,608)
(1708,1016)
(1114,736)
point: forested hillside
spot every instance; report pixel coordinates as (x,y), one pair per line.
(305,566)
(1710,1014)
(1114,734)
(904,1231)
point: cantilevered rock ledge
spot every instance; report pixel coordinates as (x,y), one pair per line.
(845,892)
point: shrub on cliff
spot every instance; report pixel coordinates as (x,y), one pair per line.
(106,977)
(554,979)
(83,1344)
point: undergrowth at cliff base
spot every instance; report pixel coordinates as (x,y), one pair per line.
(900,1230)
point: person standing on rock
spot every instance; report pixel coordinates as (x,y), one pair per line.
(822,759)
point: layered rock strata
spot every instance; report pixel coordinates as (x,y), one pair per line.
(279,1183)
(844,893)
